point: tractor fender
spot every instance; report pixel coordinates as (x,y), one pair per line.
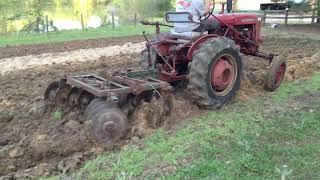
(195,45)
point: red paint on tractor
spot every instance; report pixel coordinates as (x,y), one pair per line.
(197,43)
(222,74)
(279,75)
(244,29)
(237,19)
(235,24)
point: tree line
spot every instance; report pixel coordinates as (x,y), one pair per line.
(126,10)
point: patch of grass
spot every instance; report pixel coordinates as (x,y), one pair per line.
(57,114)
(268,138)
(298,88)
(69,35)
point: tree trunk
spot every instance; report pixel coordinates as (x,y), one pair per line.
(235,5)
(318,11)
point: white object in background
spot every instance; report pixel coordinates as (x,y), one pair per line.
(273,25)
(67,24)
(94,22)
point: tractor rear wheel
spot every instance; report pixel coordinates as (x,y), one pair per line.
(215,73)
(276,72)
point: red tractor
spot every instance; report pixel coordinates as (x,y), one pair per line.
(209,63)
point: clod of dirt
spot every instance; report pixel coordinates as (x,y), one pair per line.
(4,151)
(73,125)
(140,121)
(41,144)
(147,117)
(135,139)
(257,77)
(37,110)
(303,67)
(7,177)
(40,170)
(5,117)
(71,163)
(316,55)
(3,142)
(74,116)
(63,141)
(16,152)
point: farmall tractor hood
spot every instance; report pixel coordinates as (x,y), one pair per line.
(236,18)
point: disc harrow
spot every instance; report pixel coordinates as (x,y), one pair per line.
(108,102)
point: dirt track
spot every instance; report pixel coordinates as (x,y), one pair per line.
(15,51)
(30,137)
(82,55)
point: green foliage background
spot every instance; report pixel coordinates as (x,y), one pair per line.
(127,9)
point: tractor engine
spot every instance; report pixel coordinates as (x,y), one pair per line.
(244,29)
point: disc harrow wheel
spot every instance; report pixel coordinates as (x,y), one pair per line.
(168,104)
(109,123)
(61,99)
(84,100)
(73,98)
(51,91)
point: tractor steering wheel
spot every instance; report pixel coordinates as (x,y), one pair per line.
(210,13)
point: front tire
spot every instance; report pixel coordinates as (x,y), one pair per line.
(215,73)
(276,73)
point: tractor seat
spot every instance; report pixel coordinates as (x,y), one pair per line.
(181,17)
(190,34)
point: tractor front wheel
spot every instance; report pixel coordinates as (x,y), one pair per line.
(215,73)
(275,74)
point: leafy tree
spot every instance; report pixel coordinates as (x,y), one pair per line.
(276,1)
(30,11)
(318,10)
(143,8)
(301,7)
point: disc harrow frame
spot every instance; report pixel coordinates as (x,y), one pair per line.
(108,102)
